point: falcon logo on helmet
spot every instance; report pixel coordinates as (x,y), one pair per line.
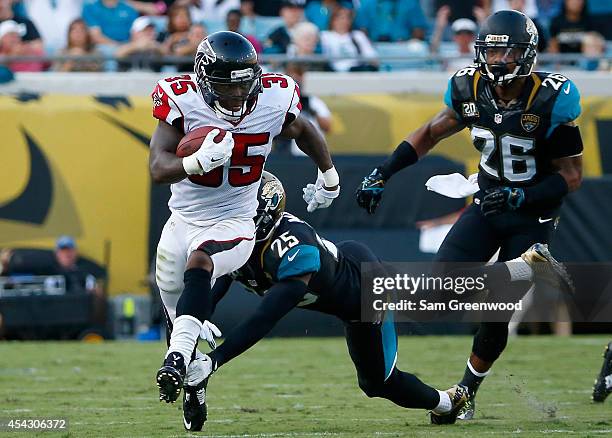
(506,47)
(206,52)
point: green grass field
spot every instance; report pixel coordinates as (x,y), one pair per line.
(303,387)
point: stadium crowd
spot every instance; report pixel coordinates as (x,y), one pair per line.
(142,34)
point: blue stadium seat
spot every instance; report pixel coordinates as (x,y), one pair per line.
(403,49)
(213,26)
(265,25)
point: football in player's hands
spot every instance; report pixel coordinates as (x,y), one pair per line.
(192,141)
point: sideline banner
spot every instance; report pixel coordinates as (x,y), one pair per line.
(78,166)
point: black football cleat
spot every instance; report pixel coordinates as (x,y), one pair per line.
(547,269)
(603,384)
(170,377)
(194,406)
(459,396)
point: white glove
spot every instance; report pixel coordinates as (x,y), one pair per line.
(209,332)
(316,196)
(199,369)
(210,155)
(322,198)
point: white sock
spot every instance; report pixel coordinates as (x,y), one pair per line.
(445,404)
(519,270)
(476,373)
(185,332)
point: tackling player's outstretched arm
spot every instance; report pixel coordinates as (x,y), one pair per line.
(414,146)
(277,302)
(164,165)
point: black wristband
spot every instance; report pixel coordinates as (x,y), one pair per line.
(551,189)
(404,155)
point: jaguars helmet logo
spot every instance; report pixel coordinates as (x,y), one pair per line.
(271,200)
(273,194)
(532,31)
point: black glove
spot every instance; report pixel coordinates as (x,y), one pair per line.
(370,191)
(500,199)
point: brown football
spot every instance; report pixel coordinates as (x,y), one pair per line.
(192,141)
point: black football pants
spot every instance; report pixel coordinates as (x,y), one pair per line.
(475,238)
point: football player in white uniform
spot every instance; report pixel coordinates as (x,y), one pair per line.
(211,231)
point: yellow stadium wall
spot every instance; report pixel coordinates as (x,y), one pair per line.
(96,153)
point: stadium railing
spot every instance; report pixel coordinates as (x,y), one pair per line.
(390,59)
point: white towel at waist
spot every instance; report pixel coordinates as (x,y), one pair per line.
(454,185)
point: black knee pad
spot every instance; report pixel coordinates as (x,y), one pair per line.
(490,340)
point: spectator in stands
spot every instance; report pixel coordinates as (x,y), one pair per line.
(594,49)
(523,6)
(568,28)
(442,18)
(196,34)
(527,7)
(319,11)
(110,21)
(305,43)
(475,10)
(341,41)
(461,52)
(176,38)
(233,23)
(464,36)
(52,19)
(248,24)
(152,7)
(143,45)
(548,9)
(31,36)
(292,12)
(391,20)
(313,108)
(79,44)
(188,47)
(5,257)
(12,44)
(67,264)
(212,10)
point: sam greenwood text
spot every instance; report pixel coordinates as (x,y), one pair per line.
(453,305)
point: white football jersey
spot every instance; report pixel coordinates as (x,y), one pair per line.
(229,191)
